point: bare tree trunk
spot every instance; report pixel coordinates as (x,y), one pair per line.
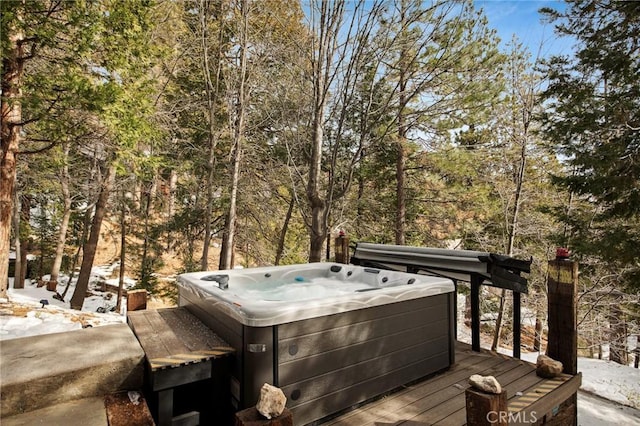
(328,241)
(226,256)
(25,246)
(537,340)
(145,266)
(212,89)
(171,205)
(618,335)
(359,207)
(173,184)
(401,164)
(190,253)
(330,18)
(401,197)
(83,239)
(498,329)
(512,224)
(89,248)
(318,205)
(123,246)
(318,230)
(204,261)
(283,232)
(592,337)
(599,342)
(13,58)
(25,242)
(17,265)
(224,263)
(66,215)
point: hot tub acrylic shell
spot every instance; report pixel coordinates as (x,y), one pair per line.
(331,352)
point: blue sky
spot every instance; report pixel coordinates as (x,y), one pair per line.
(521,17)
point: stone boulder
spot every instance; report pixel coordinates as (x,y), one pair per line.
(271,402)
(487,384)
(547,367)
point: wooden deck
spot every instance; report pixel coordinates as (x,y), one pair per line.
(440,400)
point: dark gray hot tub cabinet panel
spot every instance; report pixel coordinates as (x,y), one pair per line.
(330,363)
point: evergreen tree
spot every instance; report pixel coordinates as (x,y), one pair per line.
(444,69)
(34,33)
(123,57)
(593,121)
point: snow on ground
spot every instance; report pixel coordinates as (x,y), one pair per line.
(23,314)
(34,323)
(611,380)
(595,411)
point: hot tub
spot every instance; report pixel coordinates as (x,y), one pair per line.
(329,335)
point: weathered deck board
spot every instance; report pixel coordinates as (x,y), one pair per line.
(173,337)
(456,414)
(170,341)
(440,399)
(150,341)
(465,366)
(195,335)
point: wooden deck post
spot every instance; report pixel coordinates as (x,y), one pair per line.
(516,324)
(484,409)
(562,295)
(476,281)
(342,248)
(52,285)
(562,285)
(136,300)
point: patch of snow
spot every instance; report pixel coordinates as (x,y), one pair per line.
(56,316)
(594,411)
(127,282)
(35,323)
(12,256)
(611,380)
(528,317)
(104,271)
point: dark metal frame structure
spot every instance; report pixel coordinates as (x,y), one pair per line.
(477,268)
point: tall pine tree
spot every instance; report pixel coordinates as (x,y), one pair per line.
(593,120)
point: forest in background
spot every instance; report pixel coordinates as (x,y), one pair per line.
(253,131)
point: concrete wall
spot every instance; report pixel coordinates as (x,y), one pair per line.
(45,370)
